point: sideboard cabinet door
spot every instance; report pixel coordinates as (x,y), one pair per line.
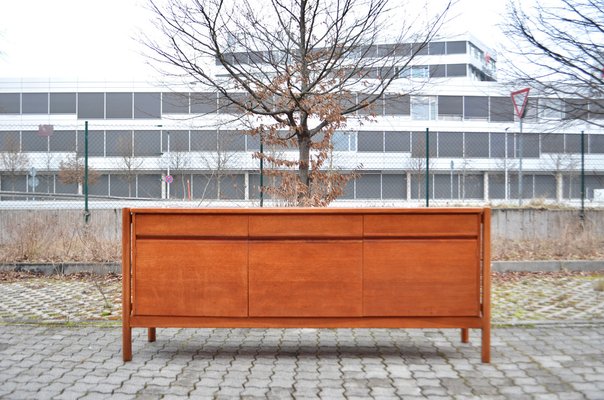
(190,278)
(314,278)
(421,277)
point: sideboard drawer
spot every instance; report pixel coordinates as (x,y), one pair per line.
(422,225)
(195,225)
(306,226)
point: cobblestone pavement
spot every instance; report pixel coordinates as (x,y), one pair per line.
(517,298)
(60,339)
(46,362)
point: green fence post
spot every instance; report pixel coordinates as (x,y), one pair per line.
(427,167)
(86,211)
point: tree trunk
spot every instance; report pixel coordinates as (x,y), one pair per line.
(303,167)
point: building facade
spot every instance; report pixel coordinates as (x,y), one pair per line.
(158,141)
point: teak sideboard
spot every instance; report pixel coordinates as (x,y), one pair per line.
(313,268)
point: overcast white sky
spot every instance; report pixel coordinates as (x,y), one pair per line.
(94,39)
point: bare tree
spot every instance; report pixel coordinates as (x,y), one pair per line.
(130,165)
(12,161)
(300,68)
(72,171)
(562,44)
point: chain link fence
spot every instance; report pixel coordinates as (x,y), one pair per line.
(43,166)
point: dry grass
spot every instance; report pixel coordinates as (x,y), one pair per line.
(575,245)
(63,237)
(56,238)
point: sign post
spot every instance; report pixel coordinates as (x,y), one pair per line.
(519,99)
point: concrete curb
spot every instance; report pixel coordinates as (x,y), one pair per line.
(496,266)
(548,266)
(64,268)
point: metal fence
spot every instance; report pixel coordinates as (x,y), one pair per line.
(44,166)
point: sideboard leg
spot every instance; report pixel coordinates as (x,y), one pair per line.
(486,343)
(151,334)
(126,342)
(465,335)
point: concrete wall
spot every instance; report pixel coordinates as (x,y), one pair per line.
(506,223)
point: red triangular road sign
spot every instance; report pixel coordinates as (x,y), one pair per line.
(520,98)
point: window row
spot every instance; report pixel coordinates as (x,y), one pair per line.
(373,51)
(368,186)
(150,143)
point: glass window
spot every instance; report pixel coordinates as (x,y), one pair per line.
(147,105)
(397,141)
(386,50)
(123,185)
(420,71)
(228,105)
(502,109)
(370,141)
(403,49)
(32,141)
(472,186)
(369,186)
(63,141)
(14,183)
(423,107)
(446,186)
(596,143)
(420,49)
(204,141)
(10,103)
(438,71)
(476,144)
(231,140)
(67,188)
(376,104)
(576,109)
(550,109)
(450,144)
(100,187)
(35,103)
(119,143)
(230,186)
(179,140)
(10,142)
(96,143)
(596,109)
(395,104)
(418,144)
(498,146)
(552,143)
(62,103)
(175,103)
(496,186)
(450,107)
(204,103)
(343,141)
(394,186)
(572,143)
(476,107)
(147,143)
(455,70)
(149,186)
(437,48)
(119,105)
(91,105)
(530,145)
(456,47)
(545,186)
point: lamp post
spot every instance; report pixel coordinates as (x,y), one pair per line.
(519,99)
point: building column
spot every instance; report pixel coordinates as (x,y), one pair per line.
(409,185)
(486,186)
(559,187)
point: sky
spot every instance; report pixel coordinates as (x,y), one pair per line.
(94,39)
